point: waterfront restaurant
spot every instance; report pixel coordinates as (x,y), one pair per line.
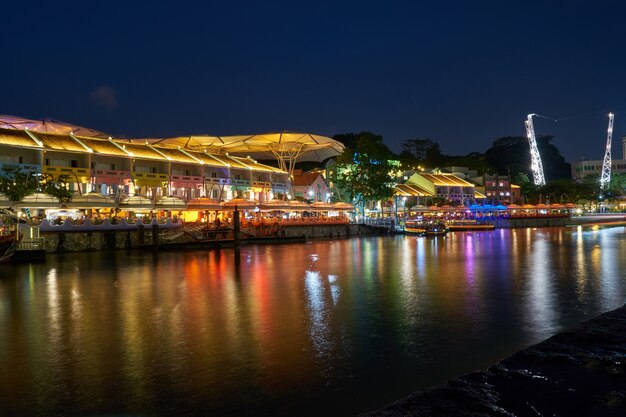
(165,173)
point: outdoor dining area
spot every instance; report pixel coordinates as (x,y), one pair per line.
(93,209)
(487,211)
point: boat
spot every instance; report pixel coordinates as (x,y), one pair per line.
(8,245)
(425,228)
(9,235)
(468,225)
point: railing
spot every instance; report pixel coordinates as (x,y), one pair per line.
(57,170)
(186,178)
(150,176)
(217,180)
(380,222)
(261,184)
(111,174)
(31,243)
(23,167)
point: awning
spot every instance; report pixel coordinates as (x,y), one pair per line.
(91,201)
(341,206)
(136,203)
(204,203)
(321,206)
(242,204)
(170,203)
(39,201)
(411,190)
(275,205)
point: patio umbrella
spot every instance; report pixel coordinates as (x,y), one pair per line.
(136,203)
(321,206)
(341,206)
(91,201)
(170,203)
(242,204)
(295,205)
(274,205)
(39,201)
(204,203)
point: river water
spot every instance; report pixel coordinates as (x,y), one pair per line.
(322,328)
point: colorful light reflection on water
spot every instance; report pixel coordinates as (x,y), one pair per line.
(325,327)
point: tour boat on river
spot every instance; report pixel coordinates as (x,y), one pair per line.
(9,235)
(8,244)
(425,228)
(468,225)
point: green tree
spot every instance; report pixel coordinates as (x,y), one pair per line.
(422,152)
(363,172)
(511,154)
(17,183)
(57,187)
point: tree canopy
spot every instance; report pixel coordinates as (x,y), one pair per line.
(510,155)
(17,183)
(363,172)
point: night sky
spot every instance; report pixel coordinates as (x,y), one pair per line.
(460,72)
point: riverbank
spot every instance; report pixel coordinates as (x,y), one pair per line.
(578,372)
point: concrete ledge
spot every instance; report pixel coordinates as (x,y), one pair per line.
(579,372)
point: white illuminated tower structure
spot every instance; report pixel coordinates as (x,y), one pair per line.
(535,158)
(605,179)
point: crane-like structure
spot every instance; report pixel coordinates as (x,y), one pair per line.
(535,158)
(605,179)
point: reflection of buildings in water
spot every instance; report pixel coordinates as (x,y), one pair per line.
(540,304)
(319,312)
(609,274)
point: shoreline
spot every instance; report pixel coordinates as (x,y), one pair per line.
(580,371)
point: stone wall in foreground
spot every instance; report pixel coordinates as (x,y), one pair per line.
(578,372)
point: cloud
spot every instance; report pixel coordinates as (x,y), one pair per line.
(105,96)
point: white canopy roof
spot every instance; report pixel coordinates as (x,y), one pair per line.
(287,147)
(48,126)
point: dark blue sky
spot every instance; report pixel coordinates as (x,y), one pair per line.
(460,72)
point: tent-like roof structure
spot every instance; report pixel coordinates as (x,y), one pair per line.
(286,147)
(411,190)
(446,180)
(48,126)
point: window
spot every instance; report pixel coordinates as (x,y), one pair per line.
(213,174)
(73,163)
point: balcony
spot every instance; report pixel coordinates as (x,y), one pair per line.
(111,177)
(23,167)
(262,184)
(148,179)
(219,181)
(82,174)
(239,184)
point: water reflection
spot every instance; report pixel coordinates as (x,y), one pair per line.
(288,329)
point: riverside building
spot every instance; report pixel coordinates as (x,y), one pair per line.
(176,170)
